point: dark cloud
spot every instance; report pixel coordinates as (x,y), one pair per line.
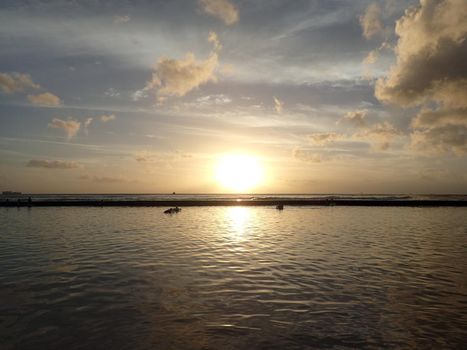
(52,164)
(442,139)
(102,179)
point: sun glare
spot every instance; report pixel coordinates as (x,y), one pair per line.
(239,173)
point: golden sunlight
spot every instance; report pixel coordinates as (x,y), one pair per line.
(239,217)
(239,173)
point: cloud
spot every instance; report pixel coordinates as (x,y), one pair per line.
(371,21)
(356,118)
(161,159)
(121,19)
(45,99)
(440,131)
(139,94)
(70,126)
(214,39)
(216,99)
(106,118)
(380,134)
(430,70)
(15,82)
(141,158)
(431,54)
(309,156)
(428,118)
(439,140)
(102,179)
(112,92)
(322,139)
(173,77)
(372,57)
(222,9)
(86,124)
(52,164)
(278,105)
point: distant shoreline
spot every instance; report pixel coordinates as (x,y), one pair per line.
(234,202)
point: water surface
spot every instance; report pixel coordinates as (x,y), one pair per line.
(233,278)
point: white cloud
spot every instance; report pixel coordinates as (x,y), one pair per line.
(112,92)
(86,124)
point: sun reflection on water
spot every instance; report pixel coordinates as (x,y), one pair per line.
(239,218)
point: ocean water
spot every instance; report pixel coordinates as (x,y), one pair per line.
(233,278)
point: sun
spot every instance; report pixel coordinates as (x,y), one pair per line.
(239,173)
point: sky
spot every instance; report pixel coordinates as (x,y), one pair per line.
(140,96)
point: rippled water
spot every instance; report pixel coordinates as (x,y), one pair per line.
(233,278)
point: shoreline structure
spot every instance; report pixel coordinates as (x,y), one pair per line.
(237,202)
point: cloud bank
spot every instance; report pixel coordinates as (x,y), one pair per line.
(431,69)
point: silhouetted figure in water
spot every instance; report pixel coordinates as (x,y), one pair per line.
(29,201)
(172,210)
(280,207)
